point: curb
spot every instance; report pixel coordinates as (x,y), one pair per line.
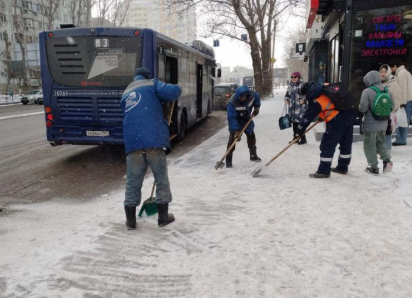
(21,115)
(10,103)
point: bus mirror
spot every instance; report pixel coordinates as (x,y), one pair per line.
(219,73)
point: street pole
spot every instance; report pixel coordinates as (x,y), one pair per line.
(272,66)
(347,43)
(273,43)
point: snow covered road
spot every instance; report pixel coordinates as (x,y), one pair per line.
(281,234)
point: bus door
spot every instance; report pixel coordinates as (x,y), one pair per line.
(199,89)
(171,70)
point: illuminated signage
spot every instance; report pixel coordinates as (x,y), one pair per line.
(387,40)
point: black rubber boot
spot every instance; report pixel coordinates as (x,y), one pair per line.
(165,218)
(339,171)
(253,155)
(318,175)
(130,217)
(229,160)
(302,140)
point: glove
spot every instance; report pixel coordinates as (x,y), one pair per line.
(237,135)
(255,111)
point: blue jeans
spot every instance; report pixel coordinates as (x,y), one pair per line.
(137,162)
(388,141)
(402,132)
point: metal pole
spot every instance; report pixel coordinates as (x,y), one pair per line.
(273,44)
(347,42)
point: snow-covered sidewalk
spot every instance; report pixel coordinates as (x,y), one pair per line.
(7,99)
(281,234)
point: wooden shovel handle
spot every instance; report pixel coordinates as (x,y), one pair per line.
(234,142)
(288,146)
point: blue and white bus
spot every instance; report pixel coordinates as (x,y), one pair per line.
(85,71)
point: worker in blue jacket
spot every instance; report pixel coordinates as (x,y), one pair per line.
(146,137)
(239,109)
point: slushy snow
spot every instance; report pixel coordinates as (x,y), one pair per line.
(281,234)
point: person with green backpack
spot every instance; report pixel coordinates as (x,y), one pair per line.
(376,104)
(389,81)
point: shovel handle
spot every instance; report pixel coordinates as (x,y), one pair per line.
(153,189)
(290,145)
(234,142)
(169,119)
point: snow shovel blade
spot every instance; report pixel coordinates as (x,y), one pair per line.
(256,172)
(219,165)
(149,206)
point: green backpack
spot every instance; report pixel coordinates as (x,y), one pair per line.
(382,104)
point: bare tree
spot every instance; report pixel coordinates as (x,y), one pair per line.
(50,8)
(6,54)
(113,11)
(77,11)
(119,12)
(89,4)
(290,38)
(257,18)
(20,40)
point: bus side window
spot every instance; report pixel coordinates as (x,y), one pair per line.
(161,60)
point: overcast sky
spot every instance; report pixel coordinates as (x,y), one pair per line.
(233,53)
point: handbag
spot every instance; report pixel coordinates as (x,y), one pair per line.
(401,118)
(284,120)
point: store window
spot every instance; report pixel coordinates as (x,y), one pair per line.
(379,35)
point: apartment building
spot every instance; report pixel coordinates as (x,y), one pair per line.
(20,24)
(156,15)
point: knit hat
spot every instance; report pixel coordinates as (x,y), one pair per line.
(142,72)
(297,74)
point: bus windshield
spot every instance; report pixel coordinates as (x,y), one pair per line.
(93,61)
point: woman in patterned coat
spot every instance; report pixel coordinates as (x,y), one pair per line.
(296,102)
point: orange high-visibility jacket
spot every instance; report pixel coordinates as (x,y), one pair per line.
(328,108)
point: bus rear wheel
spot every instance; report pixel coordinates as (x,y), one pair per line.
(182,127)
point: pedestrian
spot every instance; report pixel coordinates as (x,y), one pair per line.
(339,129)
(389,81)
(146,138)
(296,102)
(375,130)
(239,110)
(404,79)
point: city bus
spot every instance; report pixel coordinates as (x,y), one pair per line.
(84,72)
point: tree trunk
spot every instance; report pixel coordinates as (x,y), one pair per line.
(256,61)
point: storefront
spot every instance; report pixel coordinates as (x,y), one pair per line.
(376,32)
(381,32)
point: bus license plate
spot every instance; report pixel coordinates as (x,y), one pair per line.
(97,133)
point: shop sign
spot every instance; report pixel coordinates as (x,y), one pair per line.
(387,40)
